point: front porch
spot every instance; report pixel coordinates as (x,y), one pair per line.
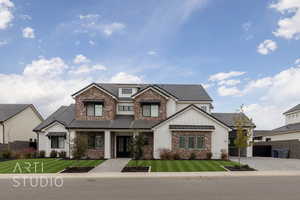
(109,144)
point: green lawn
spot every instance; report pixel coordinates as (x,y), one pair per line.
(46,165)
(183,165)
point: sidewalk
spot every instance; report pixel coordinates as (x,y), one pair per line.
(159,174)
(111,165)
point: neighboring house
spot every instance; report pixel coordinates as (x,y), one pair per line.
(286,137)
(170,116)
(17,122)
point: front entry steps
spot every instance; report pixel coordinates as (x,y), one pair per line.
(111,165)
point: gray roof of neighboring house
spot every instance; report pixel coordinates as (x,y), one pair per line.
(181,92)
(9,110)
(229,118)
(295,108)
(287,128)
(257,133)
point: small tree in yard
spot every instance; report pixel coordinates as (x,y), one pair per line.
(80,147)
(242,135)
(137,147)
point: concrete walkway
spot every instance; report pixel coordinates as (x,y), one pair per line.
(112,165)
(271,164)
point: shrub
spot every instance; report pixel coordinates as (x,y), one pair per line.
(209,155)
(80,147)
(17,155)
(193,156)
(7,154)
(53,154)
(166,154)
(62,154)
(176,156)
(224,154)
(42,154)
(29,153)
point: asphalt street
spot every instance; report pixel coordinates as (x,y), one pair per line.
(218,188)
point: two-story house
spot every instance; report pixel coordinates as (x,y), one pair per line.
(286,137)
(171,116)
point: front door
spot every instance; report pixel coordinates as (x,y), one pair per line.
(123,149)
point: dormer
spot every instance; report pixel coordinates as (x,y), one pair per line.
(292,116)
(126,92)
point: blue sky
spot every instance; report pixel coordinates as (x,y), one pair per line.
(244,52)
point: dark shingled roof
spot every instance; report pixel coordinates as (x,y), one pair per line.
(9,110)
(198,127)
(181,92)
(64,115)
(287,128)
(296,108)
(229,118)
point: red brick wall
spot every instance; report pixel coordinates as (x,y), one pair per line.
(148,148)
(109,109)
(94,153)
(185,153)
(150,95)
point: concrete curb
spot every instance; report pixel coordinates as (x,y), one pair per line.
(159,175)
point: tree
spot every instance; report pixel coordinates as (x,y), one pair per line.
(80,146)
(137,147)
(243,136)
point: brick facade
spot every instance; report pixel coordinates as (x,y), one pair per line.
(185,153)
(109,108)
(148,148)
(150,95)
(97,153)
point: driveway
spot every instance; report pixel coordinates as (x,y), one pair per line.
(266,164)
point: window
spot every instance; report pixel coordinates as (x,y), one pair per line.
(57,142)
(95,141)
(150,110)
(200,142)
(191,143)
(125,108)
(204,108)
(94,109)
(182,142)
(126,90)
(268,139)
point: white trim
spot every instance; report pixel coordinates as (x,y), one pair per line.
(98,87)
(192,107)
(51,125)
(151,88)
(193,130)
(194,102)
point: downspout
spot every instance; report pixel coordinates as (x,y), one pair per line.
(3,131)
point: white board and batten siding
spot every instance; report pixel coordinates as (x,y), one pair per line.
(163,135)
(45,142)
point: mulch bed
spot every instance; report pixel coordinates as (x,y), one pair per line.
(77,169)
(135,169)
(243,168)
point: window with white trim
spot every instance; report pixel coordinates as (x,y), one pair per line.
(150,110)
(94,110)
(191,142)
(182,144)
(126,90)
(125,108)
(57,142)
(200,142)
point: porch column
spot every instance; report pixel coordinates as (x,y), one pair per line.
(72,135)
(250,148)
(107,145)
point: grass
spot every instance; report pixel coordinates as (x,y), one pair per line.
(183,165)
(43,165)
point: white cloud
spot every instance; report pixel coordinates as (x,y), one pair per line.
(266,47)
(79,59)
(297,61)
(3,43)
(230,82)
(6,15)
(229,91)
(206,85)
(258,84)
(109,29)
(246,26)
(91,22)
(28,33)
(91,42)
(225,75)
(45,68)
(123,77)
(190,6)
(25,17)
(289,27)
(152,53)
(85,69)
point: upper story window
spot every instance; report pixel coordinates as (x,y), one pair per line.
(204,108)
(126,91)
(150,110)
(125,108)
(94,109)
